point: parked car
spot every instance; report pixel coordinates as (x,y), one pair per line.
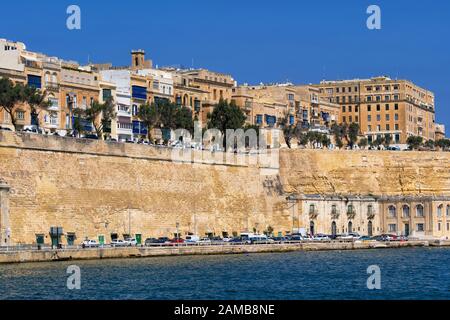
(150,241)
(192,239)
(131,242)
(296,238)
(365,238)
(236,240)
(205,241)
(163,240)
(321,237)
(118,243)
(280,239)
(4,129)
(177,241)
(90,244)
(32,129)
(227,239)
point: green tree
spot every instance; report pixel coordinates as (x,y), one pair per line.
(183,119)
(10,95)
(353,132)
(387,140)
(37,101)
(100,115)
(430,144)
(443,144)
(363,143)
(226,116)
(150,116)
(414,142)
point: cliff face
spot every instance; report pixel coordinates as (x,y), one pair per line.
(91,188)
(365,172)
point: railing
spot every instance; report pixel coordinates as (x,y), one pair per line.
(335,214)
(351,213)
(313,214)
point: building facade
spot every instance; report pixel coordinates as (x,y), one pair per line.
(419,217)
(382,106)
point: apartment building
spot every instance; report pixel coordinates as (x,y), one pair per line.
(272,105)
(383,106)
(200,90)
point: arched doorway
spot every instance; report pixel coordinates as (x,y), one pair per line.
(350,227)
(333,229)
(311,228)
(370,229)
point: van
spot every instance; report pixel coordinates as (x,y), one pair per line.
(192,239)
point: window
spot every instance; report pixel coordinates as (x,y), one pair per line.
(392,228)
(349,108)
(406,211)
(448,211)
(34,81)
(343,108)
(333,209)
(396,127)
(420,227)
(369,98)
(378,117)
(396,106)
(312,209)
(356,108)
(388,117)
(369,118)
(419,211)
(369,128)
(378,108)
(387,107)
(392,211)
(440,210)
(396,117)
(343,119)
(20,115)
(369,108)
(388,127)
(139,92)
(135,110)
(259,119)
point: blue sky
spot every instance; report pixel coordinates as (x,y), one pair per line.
(255,41)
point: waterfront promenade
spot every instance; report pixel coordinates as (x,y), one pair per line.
(17,255)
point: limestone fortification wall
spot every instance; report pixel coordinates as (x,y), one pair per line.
(93,188)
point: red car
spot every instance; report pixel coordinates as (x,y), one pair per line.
(177,240)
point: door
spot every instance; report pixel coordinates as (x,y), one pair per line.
(139,239)
(333,229)
(350,227)
(370,229)
(311,228)
(407,230)
(101,240)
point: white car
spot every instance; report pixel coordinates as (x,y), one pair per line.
(90,244)
(131,242)
(204,241)
(321,237)
(118,243)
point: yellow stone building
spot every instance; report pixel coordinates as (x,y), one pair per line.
(383,106)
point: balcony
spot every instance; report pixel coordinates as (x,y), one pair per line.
(351,213)
(52,86)
(371,215)
(335,214)
(313,214)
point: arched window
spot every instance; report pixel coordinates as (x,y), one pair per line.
(448,210)
(440,210)
(312,209)
(406,211)
(419,211)
(333,228)
(392,211)
(370,210)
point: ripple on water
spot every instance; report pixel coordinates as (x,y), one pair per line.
(416,273)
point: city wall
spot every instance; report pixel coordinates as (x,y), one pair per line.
(93,188)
